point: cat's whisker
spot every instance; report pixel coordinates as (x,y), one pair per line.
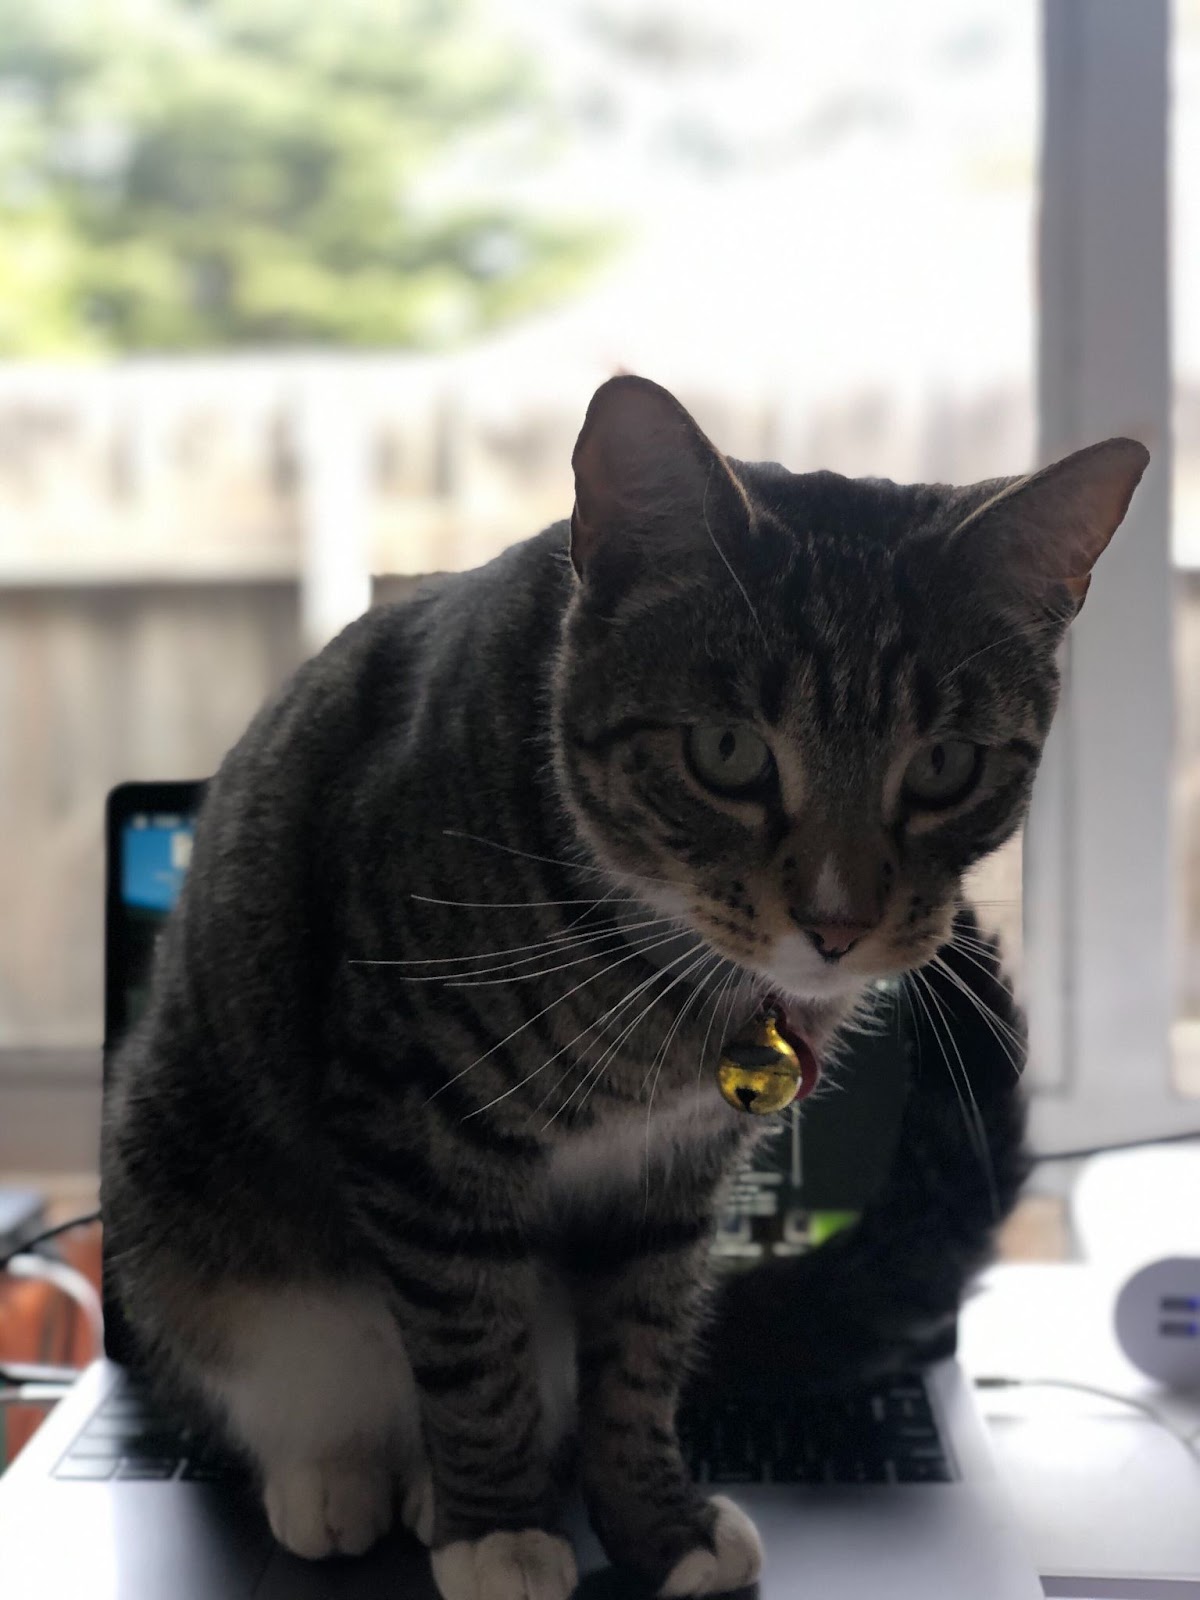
(634,955)
(593,1072)
(867,1015)
(556,944)
(983,1150)
(970,941)
(603,900)
(993,975)
(476,982)
(660,1058)
(615,1009)
(510,905)
(1006,1035)
(988,946)
(1013,1056)
(981,957)
(734,995)
(973,1124)
(549,861)
(596,1071)
(1021,635)
(915,993)
(728,564)
(706,960)
(601,1026)
(719,990)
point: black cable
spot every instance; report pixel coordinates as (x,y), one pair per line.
(46,1235)
(1088,1151)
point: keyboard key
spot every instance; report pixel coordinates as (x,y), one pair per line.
(885,1434)
(920,1452)
(119,1427)
(98,1449)
(855,1469)
(95,1471)
(125,1404)
(923,1471)
(206,1472)
(146,1467)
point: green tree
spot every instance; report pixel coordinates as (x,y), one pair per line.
(181,174)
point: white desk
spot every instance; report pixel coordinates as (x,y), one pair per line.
(1103,1492)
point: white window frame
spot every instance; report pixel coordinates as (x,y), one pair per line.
(1099,957)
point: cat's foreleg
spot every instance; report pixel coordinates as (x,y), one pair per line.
(471,1339)
(639,1301)
(314,1383)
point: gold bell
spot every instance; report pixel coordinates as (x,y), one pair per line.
(759,1072)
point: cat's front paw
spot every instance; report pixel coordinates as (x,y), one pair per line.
(530,1565)
(328,1508)
(734,1560)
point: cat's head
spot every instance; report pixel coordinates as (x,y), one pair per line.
(793,709)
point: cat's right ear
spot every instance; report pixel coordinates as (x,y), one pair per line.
(648,485)
(1037,540)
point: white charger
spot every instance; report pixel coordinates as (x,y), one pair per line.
(1136,1217)
(1158,1321)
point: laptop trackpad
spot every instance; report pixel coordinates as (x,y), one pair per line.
(134,1541)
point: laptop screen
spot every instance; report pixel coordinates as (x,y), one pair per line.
(150,831)
(156,849)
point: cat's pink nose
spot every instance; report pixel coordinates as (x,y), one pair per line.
(835,939)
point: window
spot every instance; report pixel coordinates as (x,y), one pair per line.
(669,192)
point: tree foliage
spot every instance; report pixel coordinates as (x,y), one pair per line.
(181,174)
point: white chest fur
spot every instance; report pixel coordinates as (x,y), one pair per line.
(612,1159)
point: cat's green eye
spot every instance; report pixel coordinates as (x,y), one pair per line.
(943,774)
(728,757)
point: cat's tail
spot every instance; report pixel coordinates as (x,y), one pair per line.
(886,1292)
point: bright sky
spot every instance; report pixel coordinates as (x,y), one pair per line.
(873,227)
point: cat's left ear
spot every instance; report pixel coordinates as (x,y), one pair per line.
(650,487)
(1039,537)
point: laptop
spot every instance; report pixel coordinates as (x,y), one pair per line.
(888,1493)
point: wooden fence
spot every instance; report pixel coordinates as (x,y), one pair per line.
(175,537)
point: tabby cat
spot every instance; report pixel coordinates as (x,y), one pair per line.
(412,1167)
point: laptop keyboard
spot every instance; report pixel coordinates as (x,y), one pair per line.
(127,1439)
(886,1434)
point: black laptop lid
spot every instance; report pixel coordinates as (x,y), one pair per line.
(148,841)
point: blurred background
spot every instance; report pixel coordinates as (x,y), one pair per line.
(299,301)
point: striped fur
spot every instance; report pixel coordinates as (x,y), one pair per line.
(427,1065)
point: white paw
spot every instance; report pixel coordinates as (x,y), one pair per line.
(735,1560)
(416,1505)
(506,1566)
(328,1509)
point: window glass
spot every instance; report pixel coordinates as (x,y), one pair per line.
(814,223)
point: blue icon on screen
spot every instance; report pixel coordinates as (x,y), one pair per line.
(154,861)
